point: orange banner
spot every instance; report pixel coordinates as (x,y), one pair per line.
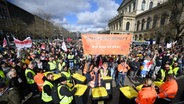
(106,44)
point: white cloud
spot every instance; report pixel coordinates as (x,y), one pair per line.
(59,9)
(99,18)
(54,7)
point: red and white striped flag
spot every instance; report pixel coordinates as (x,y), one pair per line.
(4,43)
(27,43)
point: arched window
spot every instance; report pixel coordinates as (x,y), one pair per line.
(163,19)
(129,8)
(135,37)
(134,6)
(143,4)
(148,23)
(140,37)
(138,23)
(142,26)
(151,5)
(127,26)
(155,19)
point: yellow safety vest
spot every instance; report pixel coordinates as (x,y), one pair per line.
(45,97)
(29,80)
(2,74)
(67,75)
(102,72)
(70,57)
(52,65)
(61,66)
(163,74)
(65,99)
(175,70)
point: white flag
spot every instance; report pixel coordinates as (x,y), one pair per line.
(64,46)
(169,45)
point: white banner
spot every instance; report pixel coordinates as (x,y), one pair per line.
(27,43)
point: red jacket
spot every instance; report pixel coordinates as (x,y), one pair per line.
(168,89)
(147,95)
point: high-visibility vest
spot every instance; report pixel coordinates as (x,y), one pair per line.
(67,75)
(2,74)
(45,97)
(29,80)
(103,73)
(65,99)
(52,65)
(147,95)
(175,70)
(70,57)
(163,72)
(61,66)
(168,89)
(39,80)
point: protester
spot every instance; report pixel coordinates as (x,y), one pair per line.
(163,73)
(147,95)
(167,90)
(122,71)
(29,73)
(65,93)
(134,68)
(46,91)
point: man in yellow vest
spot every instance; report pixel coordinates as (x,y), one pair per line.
(61,65)
(66,73)
(71,60)
(175,69)
(46,91)
(64,92)
(164,72)
(29,74)
(52,64)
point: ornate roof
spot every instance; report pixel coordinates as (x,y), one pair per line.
(124,3)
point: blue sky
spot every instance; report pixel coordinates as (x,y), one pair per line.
(75,15)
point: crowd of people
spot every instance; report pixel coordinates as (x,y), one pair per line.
(30,71)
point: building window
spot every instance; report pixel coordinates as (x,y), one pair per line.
(155,19)
(135,37)
(138,23)
(129,8)
(140,37)
(163,19)
(125,10)
(120,24)
(148,23)
(134,6)
(143,22)
(143,5)
(151,5)
(127,26)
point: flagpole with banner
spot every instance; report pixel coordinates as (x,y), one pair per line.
(4,43)
(64,46)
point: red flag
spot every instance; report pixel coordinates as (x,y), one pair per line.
(4,43)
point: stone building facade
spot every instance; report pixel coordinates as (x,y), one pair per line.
(145,19)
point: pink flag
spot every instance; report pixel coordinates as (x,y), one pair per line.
(43,46)
(22,44)
(4,43)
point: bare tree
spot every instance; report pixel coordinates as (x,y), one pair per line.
(177,18)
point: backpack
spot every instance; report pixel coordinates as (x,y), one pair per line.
(55,95)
